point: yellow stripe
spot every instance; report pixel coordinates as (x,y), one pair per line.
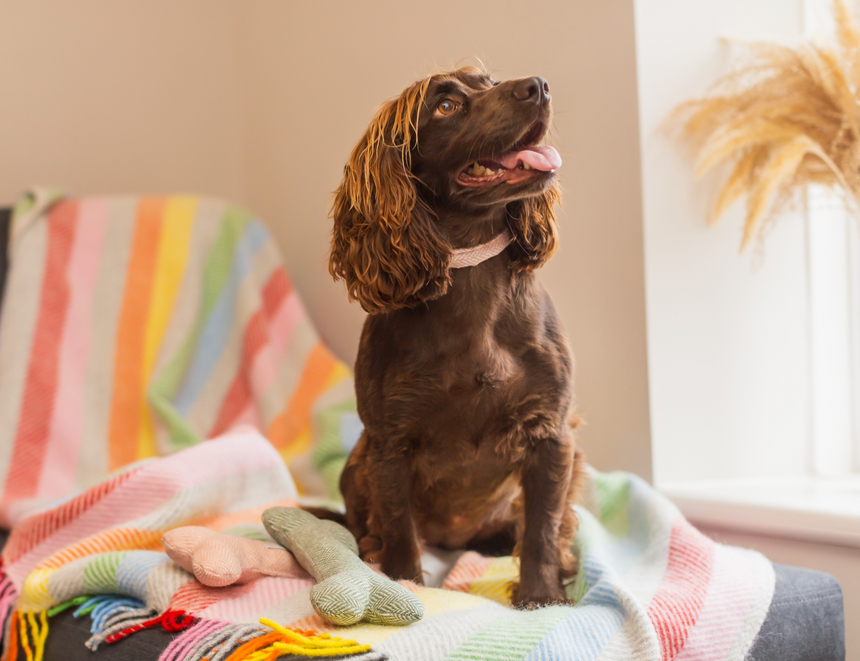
(302,442)
(172,255)
(496,581)
(34,592)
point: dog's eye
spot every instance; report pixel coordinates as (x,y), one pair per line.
(446,107)
(494,82)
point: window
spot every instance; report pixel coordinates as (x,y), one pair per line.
(754,365)
(833,244)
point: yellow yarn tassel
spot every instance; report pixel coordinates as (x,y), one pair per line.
(317,645)
(25,641)
(41,634)
(39,630)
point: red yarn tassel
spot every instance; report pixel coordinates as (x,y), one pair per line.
(172,621)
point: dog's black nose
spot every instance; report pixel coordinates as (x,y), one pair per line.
(535,90)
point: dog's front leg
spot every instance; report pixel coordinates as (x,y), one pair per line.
(392,518)
(546,482)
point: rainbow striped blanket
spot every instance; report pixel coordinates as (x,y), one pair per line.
(651,587)
(134,328)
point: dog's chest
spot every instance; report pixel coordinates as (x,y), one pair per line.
(477,398)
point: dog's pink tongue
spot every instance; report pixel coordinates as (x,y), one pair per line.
(543,158)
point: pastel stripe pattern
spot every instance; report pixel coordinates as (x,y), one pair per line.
(101,548)
(28,454)
(195,272)
(205,333)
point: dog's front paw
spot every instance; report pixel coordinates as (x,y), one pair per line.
(399,565)
(538,595)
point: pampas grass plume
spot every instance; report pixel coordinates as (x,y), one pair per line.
(784,118)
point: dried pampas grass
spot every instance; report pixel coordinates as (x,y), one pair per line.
(784,118)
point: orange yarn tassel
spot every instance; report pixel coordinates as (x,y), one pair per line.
(12,652)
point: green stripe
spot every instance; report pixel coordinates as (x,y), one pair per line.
(589,534)
(100,572)
(215,275)
(512,636)
(329,456)
(613,493)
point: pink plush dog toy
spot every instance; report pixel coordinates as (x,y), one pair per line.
(217,559)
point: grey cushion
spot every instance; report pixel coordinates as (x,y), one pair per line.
(805,621)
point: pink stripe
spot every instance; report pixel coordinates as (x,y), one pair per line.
(233,458)
(40,388)
(675,608)
(64,437)
(281,329)
(731,594)
(248,416)
(182,644)
(261,361)
(265,593)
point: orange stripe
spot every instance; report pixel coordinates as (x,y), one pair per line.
(118,539)
(128,392)
(225,521)
(287,426)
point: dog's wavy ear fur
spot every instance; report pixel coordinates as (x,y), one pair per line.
(385,245)
(532,221)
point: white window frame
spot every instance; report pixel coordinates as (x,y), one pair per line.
(832,254)
(833,267)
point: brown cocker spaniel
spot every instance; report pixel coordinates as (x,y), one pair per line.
(464,375)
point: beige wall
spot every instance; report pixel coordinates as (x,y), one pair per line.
(316,72)
(100,96)
(261,101)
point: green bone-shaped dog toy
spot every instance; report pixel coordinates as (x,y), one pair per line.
(347,591)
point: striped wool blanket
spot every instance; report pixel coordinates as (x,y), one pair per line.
(650,588)
(134,328)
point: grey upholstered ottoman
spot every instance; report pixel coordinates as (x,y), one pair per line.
(805,621)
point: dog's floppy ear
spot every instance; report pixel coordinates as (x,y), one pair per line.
(385,245)
(535,232)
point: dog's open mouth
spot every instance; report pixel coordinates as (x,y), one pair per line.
(524,160)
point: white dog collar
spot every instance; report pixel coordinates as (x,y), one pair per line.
(463,257)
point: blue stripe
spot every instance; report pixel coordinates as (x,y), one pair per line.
(581,636)
(213,336)
(592,625)
(134,569)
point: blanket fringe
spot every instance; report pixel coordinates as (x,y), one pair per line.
(219,641)
(173,621)
(32,628)
(8,597)
(287,641)
(11,639)
(114,618)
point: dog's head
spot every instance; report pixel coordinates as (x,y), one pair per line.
(457,140)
